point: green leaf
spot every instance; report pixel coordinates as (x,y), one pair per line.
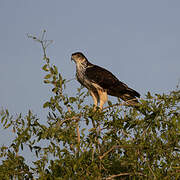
(46,104)
(2,119)
(48,76)
(51,70)
(149,95)
(47,81)
(8,125)
(55,70)
(109,103)
(7,112)
(72,99)
(45,67)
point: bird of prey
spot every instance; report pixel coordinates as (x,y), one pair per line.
(101,82)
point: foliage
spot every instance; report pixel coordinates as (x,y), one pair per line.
(79,143)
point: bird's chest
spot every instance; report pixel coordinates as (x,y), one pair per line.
(81,77)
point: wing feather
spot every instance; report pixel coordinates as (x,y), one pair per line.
(102,77)
(108,81)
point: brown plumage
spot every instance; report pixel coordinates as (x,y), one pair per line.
(101,82)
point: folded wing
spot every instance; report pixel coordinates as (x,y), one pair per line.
(110,83)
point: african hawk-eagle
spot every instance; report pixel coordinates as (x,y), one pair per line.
(100,82)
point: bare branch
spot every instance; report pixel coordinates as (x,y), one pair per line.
(121,104)
(44,43)
(107,152)
(69,119)
(112,148)
(78,133)
(124,174)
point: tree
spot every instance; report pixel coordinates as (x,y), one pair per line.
(118,142)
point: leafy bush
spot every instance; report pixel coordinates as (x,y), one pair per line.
(118,142)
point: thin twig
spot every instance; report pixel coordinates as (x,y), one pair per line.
(67,81)
(78,133)
(144,132)
(44,43)
(148,165)
(77,118)
(114,147)
(124,174)
(151,171)
(93,149)
(126,134)
(69,119)
(120,104)
(107,152)
(97,134)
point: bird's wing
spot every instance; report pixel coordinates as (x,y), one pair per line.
(109,82)
(103,78)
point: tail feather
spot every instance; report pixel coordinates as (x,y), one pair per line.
(122,91)
(132,92)
(131,100)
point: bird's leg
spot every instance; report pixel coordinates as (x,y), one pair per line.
(95,99)
(103,98)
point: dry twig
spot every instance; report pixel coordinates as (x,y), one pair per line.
(124,174)
(120,104)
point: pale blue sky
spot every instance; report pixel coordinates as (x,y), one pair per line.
(138,40)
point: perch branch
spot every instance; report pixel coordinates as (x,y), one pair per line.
(120,104)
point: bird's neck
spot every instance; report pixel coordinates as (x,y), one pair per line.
(82,65)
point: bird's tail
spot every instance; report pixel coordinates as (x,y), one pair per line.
(130,97)
(132,101)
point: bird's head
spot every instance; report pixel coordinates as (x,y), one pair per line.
(78,57)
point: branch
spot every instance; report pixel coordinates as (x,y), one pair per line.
(68,119)
(107,152)
(148,165)
(114,147)
(44,43)
(144,132)
(124,174)
(151,170)
(121,104)
(78,133)
(77,118)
